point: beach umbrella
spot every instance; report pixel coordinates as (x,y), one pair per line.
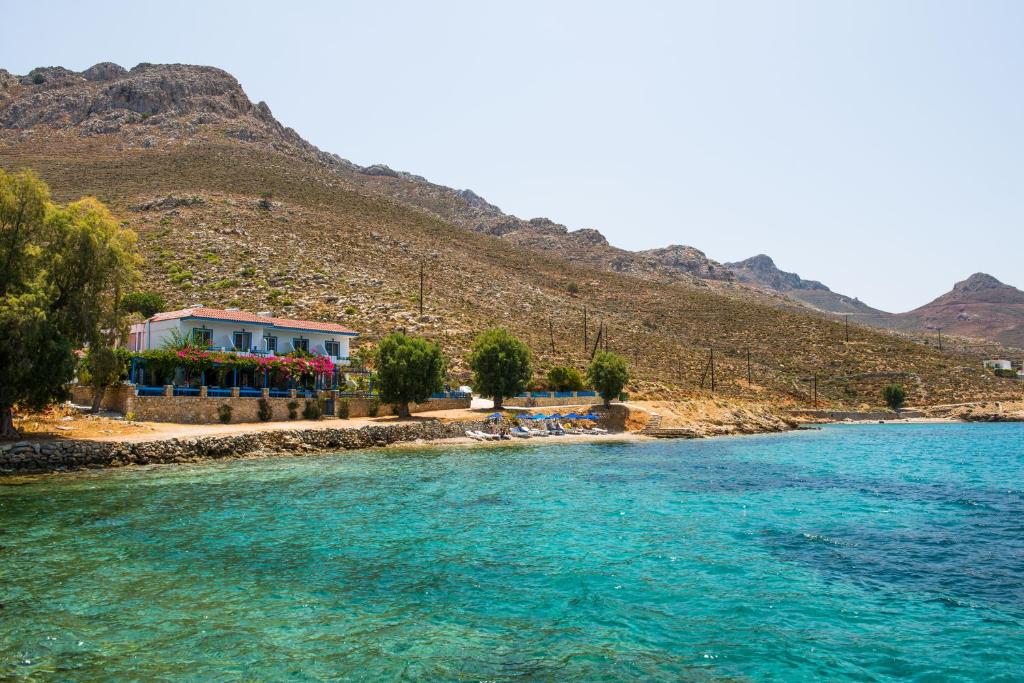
(554,416)
(573,416)
(591,416)
(539,416)
(494,416)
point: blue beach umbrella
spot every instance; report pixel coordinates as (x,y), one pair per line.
(591,416)
(573,416)
(494,416)
(538,416)
(554,416)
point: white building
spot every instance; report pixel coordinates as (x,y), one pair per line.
(231,329)
(997,364)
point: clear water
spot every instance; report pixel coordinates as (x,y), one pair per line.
(855,552)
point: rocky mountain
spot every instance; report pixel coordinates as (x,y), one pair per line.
(179,101)
(235,209)
(761,271)
(981,307)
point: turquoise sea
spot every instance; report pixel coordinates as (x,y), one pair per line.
(874,552)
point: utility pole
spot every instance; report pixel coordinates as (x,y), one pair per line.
(586,343)
(749,382)
(815,390)
(421,289)
(940,339)
(551,332)
(847,329)
(712,368)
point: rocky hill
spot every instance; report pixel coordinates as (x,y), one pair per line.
(980,306)
(761,271)
(234,209)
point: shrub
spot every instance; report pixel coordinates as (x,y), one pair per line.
(608,375)
(293,410)
(500,364)
(572,288)
(894,396)
(409,370)
(312,411)
(264,202)
(265,411)
(38,79)
(350,310)
(564,378)
(373,408)
(343,409)
(224,413)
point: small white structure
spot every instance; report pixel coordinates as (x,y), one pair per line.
(997,364)
(231,329)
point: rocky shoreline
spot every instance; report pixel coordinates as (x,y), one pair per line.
(40,457)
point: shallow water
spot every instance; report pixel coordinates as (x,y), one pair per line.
(856,552)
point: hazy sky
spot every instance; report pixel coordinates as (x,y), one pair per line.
(878,147)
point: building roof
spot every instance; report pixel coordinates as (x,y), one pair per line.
(205,313)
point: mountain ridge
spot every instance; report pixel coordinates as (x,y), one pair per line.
(234,209)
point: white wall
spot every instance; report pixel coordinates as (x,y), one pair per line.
(223,335)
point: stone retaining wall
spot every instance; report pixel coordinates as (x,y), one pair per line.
(540,401)
(205,410)
(114,398)
(837,415)
(27,457)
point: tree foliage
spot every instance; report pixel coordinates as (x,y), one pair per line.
(501,365)
(146,304)
(63,270)
(895,395)
(608,374)
(409,370)
(102,366)
(564,378)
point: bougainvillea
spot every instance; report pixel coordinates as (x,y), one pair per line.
(192,360)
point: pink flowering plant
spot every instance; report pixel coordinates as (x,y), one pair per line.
(192,359)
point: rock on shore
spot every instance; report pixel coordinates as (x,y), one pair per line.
(27,457)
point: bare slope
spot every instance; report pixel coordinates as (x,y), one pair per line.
(184,157)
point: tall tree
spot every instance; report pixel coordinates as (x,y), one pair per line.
(608,375)
(62,271)
(409,370)
(501,365)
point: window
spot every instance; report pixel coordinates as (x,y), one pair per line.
(300,345)
(242,341)
(333,349)
(202,336)
(271,344)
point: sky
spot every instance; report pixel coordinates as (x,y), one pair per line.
(875,146)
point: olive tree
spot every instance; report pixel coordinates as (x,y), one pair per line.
(501,365)
(409,370)
(608,375)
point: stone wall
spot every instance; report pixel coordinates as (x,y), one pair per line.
(114,398)
(541,401)
(26,457)
(838,415)
(205,410)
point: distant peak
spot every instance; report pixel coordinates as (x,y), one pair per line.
(977,282)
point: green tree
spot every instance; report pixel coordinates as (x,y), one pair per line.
(500,364)
(62,272)
(894,395)
(102,366)
(409,370)
(608,375)
(564,378)
(146,304)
